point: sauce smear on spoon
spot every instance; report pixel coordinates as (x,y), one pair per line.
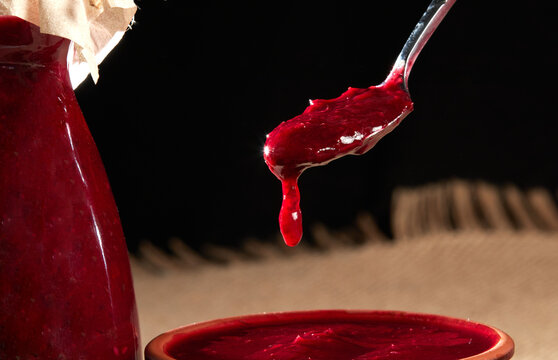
(350,124)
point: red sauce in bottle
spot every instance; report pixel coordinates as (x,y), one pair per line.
(66,289)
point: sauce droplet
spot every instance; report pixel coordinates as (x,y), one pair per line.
(290,217)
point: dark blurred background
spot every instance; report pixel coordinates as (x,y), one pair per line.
(184,102)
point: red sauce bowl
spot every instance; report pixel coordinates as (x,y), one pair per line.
(333,334)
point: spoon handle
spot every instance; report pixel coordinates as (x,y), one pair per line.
(429,21)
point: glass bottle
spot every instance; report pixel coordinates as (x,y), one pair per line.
(65,283)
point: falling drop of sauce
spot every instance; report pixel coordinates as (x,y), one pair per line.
(350,124)
(290,217)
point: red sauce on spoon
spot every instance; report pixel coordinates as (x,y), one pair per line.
(350,124)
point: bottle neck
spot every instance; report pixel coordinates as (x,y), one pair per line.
(22,43)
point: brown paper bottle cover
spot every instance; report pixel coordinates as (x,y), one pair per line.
(94,26)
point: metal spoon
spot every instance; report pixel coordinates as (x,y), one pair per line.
(429,21)
(349,124)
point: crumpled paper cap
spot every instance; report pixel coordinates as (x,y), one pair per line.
(93,26)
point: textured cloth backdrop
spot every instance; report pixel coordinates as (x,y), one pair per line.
(500,272)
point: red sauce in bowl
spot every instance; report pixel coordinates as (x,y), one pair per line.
(332,335)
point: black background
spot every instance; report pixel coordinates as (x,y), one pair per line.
(184,102)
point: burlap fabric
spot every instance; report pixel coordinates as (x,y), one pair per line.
(468,250)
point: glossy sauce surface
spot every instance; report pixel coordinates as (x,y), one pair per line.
(350,124)
(336,338)
(65,282)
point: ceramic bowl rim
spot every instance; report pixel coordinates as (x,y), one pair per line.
(502,350)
